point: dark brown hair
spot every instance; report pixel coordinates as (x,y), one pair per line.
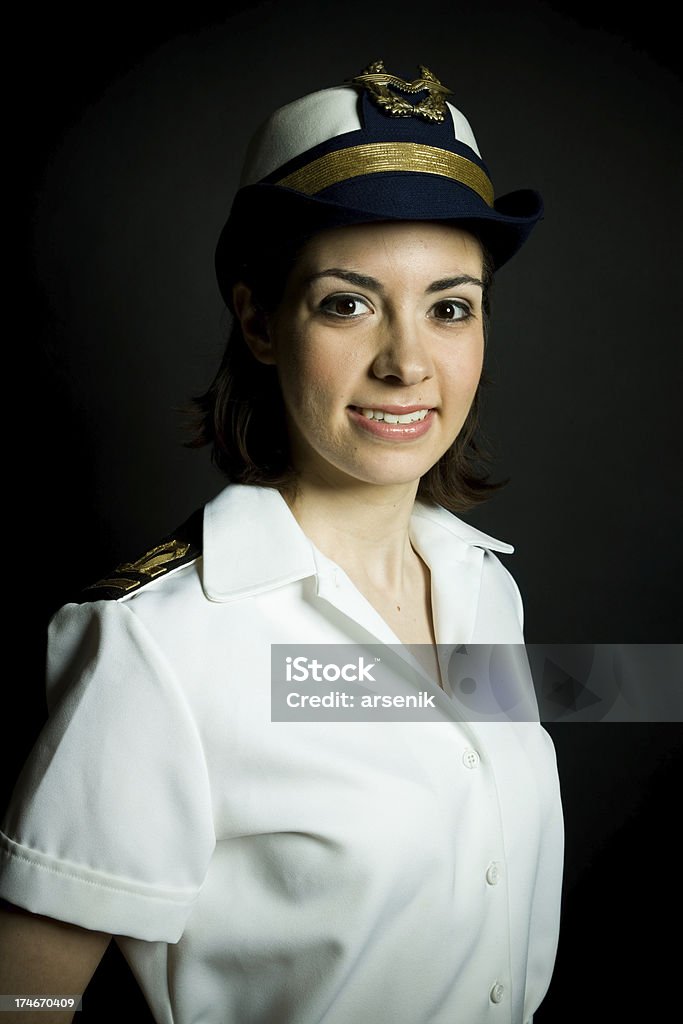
(242,414)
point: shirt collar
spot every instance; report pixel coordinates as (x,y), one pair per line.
(454,552)
(253,543)
(429,521)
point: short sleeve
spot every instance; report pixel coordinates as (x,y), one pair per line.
(110,825)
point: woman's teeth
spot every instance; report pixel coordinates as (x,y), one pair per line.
(389,417)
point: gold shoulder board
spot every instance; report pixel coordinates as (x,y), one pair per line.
(178,548)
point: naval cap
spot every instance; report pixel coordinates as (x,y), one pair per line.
(376,148)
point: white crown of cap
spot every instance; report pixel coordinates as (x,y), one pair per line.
(312,120)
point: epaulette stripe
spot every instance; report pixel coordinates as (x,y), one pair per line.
(121,583)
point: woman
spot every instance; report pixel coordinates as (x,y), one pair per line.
(311,870)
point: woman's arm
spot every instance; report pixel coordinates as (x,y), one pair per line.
(41,956)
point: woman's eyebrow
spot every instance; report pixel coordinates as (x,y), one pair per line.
(452,282)
(360,280)
(365,281)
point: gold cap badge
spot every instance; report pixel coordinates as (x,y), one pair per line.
(379,84)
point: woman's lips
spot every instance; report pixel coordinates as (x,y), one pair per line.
(421,419)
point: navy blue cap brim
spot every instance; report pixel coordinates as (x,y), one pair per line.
(263,213)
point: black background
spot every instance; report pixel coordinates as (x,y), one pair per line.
(130,130)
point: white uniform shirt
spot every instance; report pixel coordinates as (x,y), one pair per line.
(265,872)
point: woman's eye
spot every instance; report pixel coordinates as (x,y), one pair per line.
(450,310)
(347,306)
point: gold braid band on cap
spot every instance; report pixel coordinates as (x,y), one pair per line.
(375,157)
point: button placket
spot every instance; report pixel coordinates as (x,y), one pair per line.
(494,875)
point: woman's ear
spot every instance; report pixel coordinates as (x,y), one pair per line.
(254,323)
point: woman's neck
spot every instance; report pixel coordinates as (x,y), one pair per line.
(364,529)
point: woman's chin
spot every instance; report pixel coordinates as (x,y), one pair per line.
(376,474)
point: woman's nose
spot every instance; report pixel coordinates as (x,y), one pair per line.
(402,355)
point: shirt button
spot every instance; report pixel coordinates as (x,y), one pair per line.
(493,873)
(497,993)
(470,758)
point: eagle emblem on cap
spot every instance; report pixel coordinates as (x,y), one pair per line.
(390,92)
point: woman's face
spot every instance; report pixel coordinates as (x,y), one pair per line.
(378,343)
